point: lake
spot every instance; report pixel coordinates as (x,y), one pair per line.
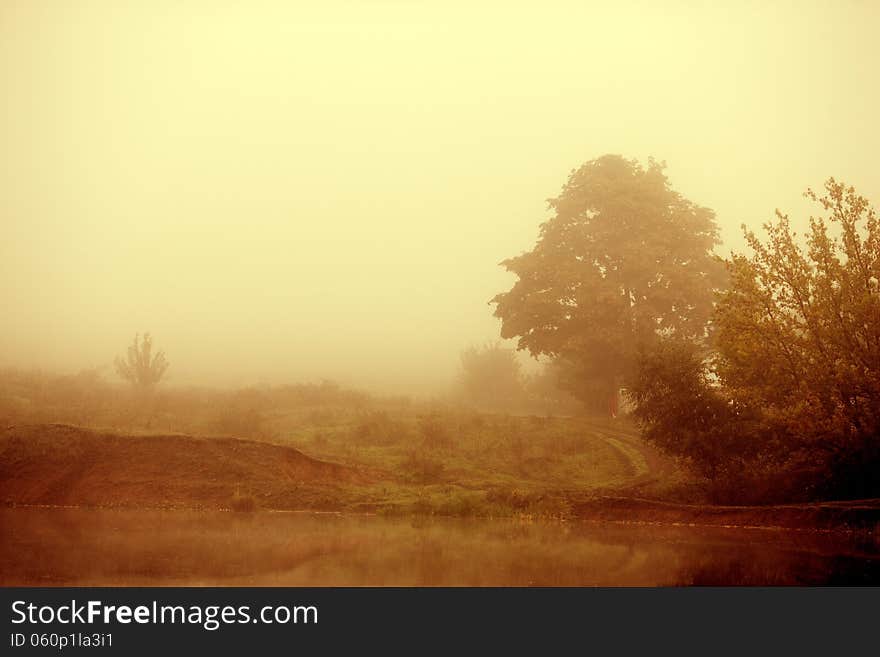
(102,547)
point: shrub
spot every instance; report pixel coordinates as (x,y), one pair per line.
(422,469)
(434,432)
(238,421)
(377,428)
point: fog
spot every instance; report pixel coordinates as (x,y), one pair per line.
(286,192)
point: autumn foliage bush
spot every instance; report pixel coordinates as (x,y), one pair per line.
(785,401)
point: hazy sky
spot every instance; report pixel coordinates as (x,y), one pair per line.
(286,191)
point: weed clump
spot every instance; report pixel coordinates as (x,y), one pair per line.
(422,469)
(243,503)
(435,433)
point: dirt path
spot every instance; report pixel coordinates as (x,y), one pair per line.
(633,501)
(649,465)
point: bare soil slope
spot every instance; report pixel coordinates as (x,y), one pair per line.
(58,464)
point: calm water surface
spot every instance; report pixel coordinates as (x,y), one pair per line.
(54,547)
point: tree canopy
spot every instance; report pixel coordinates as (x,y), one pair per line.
(799,331)
(491,376)
(792,387)
(624,258)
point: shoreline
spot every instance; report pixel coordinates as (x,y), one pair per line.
(857,516)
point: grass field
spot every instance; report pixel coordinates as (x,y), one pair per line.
(462,463)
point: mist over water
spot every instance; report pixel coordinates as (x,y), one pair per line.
(287,193)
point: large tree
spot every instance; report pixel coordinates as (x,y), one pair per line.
(624,258)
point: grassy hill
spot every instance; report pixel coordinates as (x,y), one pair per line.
(446,464)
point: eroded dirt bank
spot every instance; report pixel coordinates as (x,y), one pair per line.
(66,465)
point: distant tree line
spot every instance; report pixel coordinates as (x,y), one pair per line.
(491,378)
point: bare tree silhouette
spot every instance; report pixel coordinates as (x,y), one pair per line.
(141,367)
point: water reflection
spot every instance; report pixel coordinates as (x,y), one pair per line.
(51,547)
